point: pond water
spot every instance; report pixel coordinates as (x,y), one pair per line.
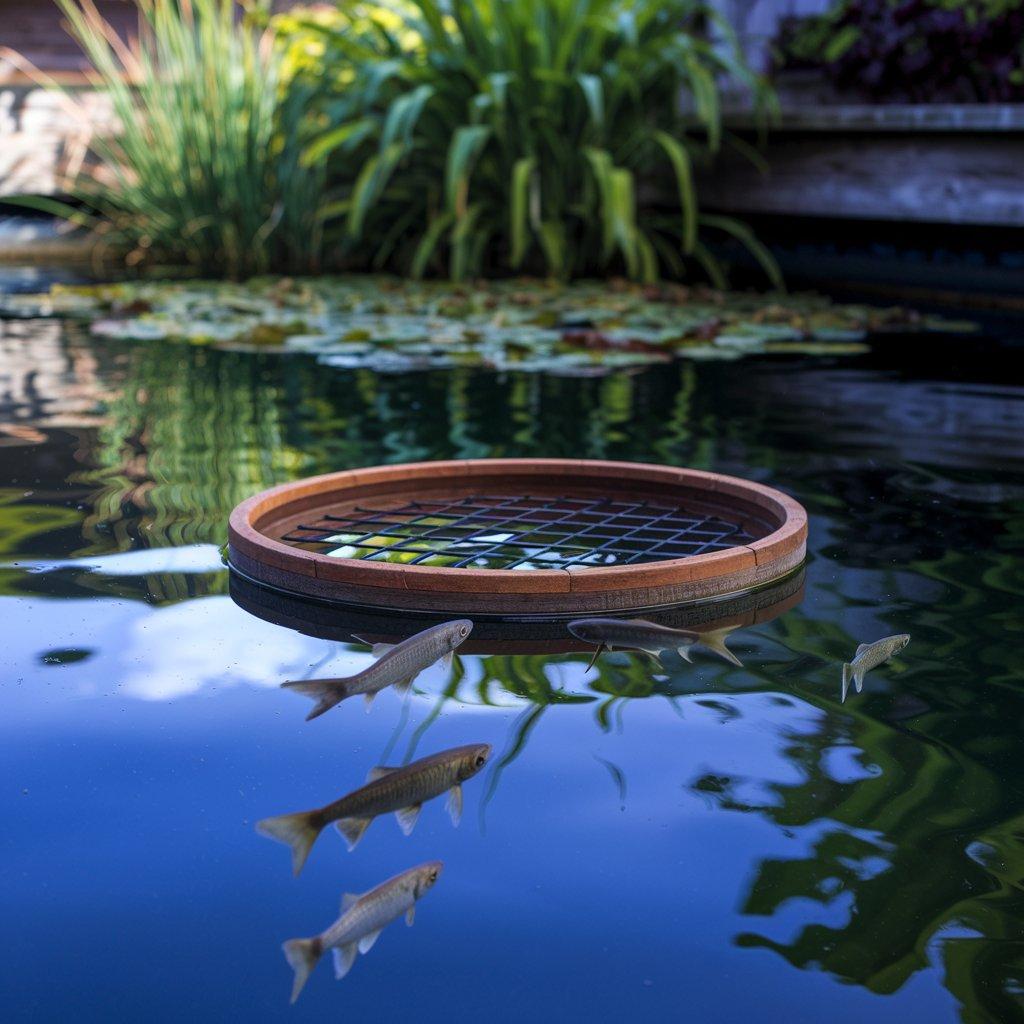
(697,842)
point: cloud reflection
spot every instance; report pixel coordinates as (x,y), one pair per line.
(163,653)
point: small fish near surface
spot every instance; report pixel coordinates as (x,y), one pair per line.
(362,920)
(397,665)
(869,656)
(650,637)
(402,790)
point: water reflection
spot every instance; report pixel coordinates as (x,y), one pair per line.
(518,668)
(769,831)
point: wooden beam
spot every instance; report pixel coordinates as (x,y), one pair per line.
(947,177)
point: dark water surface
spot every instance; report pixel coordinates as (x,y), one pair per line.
(706,843)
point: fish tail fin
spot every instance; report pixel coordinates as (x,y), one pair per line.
(858,679)
(302,956)
(299,831)
(326,693)
(847,676)
(714,640)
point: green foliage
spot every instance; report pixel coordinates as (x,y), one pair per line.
(205,169)
(497,136)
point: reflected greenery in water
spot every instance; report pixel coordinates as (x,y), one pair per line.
(906,819)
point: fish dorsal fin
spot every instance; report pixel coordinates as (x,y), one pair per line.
(379,772)
(455,804)
(375,649)
(410,915)
(367,941)
(407,817)
(861,648)
(348,899)
(352,829)
(344,957)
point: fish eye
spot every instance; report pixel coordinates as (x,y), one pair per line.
(480,760)
(463,631)
(433,876)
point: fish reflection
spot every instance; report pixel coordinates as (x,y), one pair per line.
(650,637)
(869,656)
(397,665)
(402,790)
(361,922)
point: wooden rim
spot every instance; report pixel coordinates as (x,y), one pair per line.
(261,557)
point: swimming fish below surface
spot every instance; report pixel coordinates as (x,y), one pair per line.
(402,790)
(397,665)
(869,656)
(639,634)
(362,920)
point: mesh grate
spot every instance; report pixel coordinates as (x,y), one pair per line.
(518,532)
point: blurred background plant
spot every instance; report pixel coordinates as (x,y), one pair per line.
(417,136)
(205,170)
(488,136)
(912,50)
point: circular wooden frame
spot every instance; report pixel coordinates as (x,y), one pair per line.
(255,551)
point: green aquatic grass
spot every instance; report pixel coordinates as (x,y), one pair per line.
(205,169)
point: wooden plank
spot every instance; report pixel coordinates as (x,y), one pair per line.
(948,178)
(803,116)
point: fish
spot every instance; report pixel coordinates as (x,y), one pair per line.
(362,919)
(397,665)
(650,637)
(869,656)
(402,790)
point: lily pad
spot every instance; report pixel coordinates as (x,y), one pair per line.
(389,325)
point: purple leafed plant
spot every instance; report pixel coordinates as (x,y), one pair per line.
(918,51)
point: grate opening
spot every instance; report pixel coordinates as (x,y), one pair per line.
(486,531)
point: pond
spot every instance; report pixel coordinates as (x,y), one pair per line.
(692,841)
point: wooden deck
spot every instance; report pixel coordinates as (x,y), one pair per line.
(35,29)
(929,163)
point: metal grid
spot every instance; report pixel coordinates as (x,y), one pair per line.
(519,532)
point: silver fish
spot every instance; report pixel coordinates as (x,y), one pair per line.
(397,665)
(640,634)
(362,920)
(402,790)
(869,656)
